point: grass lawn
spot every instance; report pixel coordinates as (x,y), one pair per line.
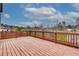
(62,37)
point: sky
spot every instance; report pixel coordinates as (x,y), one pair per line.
(36,14)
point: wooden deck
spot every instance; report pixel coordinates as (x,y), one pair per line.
(30,46)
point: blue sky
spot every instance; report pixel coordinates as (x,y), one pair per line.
(40,13)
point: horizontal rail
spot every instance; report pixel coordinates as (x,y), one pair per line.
(67,38)
(12,34)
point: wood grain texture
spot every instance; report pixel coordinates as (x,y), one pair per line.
(30,46)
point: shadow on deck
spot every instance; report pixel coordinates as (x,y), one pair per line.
(31,46)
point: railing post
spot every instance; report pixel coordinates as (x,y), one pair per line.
(55,36)
(35,33)
(2,37)
(29,33)
(76,40)
(42,34)
(73,39)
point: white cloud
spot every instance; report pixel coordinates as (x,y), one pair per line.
(30,23)
(76,6)
(42,10)
(71,16)
(6,16)
(50,13)
(57,16)
(25,23)
(68,17)
(26,5)
(43,13)
(36,23)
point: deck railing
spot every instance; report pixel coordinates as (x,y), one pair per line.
(11,34)
(67,38)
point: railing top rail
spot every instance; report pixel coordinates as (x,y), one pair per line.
(59,32)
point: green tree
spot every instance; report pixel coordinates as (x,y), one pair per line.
(18,29)
(69,26)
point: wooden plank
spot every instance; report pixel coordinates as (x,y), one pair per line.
(31,49)
(16,53)
(11,48)
(8,48)
(15,43)
(42,47)
(30,46)
(1,46)
(23,49)
(4,48)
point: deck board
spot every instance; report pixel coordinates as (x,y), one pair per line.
(30,46)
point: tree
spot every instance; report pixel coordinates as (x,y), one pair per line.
(60,26)
(64,23)
(18,29)
(69,26)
